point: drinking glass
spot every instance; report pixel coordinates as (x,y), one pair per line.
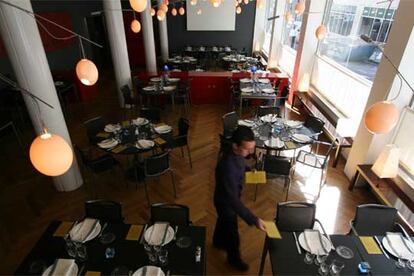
(152,255)
(410,264)
(400,263)
(309,258)
(320,259)
(70,247)
(336,267)
(323,269)
(81,252)
(163,257)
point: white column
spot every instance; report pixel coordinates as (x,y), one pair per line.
(28,59)
(400,49)
(149,44)
(259,28)
(162,26)
(117,41)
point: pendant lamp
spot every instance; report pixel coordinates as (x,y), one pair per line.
(138,5)
(300,7)
(320,32)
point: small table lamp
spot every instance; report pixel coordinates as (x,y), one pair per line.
(386,165)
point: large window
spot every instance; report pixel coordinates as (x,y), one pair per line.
(270,7)
(292,28)
(346,21)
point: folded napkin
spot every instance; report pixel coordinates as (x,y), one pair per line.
(108,143)
(269,118)
(63,267)
(370,245)
(162,129)
(314,242)
(82,231)
(401,247)
(134,232)
(144,144)
(112,128)
(274,143)
(158,233)
(103,135)
(159,141)
(63,228)
(140,121)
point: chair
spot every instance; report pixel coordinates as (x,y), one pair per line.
(277,166)
(230,122)
(155,166)
(373,220)
(152,114)
(104,210)
(183,93)
(175,214)
(181,140)
(315,125)
(294,216)
(128,99)
(265,110)
(94,126)
(317,161)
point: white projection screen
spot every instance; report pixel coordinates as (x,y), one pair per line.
(222,18)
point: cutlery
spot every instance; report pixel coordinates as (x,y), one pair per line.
(380,245)
(297,243)
(102,230)
(81,270)
(143,233)
(175,232)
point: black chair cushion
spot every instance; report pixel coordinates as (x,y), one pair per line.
(104,210)
(374,219)
(295,216)
(174,214)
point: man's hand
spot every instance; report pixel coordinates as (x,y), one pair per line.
(260,225)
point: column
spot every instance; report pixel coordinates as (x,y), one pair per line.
(162,26)
(400,49)
(149,44)
(28,59)
(276,42)
(117,41)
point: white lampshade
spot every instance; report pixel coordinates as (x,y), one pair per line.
(181,11)
(386,165)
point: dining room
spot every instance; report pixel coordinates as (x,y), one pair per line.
(220,137)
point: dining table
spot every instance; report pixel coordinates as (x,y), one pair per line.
(127,251)
(159,87)
(287,259)
(256,88)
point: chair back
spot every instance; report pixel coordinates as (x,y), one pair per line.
(175,214)
(183,126)
(230,122)
(126,93)
(152,114)
(374,219)
(157,164)
(104,210)
(295,216)
(94,126)
(314,124)
(265,110)
(277,165)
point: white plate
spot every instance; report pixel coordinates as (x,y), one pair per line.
(151,270)
(270,118)
(149,88)
(155,79)
(140,121)
(264,80)
(294,124)
(95,232)
(163,129)
(145,144)
(245,80)
(176,70)
(274,143)
(74,270)
(247,89)
(325,241)
(235,71)
(173,79)
(199,70)
(112,128)
(301,138)
(168,236)
(389,249)
(108,143)
(268,90)
(169,88)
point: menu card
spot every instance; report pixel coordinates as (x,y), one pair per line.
(271,230)
(255,177)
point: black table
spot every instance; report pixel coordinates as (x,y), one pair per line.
(285,259)
(131,254)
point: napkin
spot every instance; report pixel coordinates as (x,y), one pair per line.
(158,233)
(162,129)
(399,245)
(119,148)
(134,232)
(63,267)
(108,143)
(313,240)
(145,144)
(63,228)
(255,177)
(271,230)
(82,232)
(370,245)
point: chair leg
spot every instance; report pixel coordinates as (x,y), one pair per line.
(189,156)
(182,152)
(320,184)
(173,183)
(146,192)
(287,184)
(255,192)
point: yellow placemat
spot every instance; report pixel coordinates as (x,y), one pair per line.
(92,273)
(290,145)
(271,230)
(103,135)
(63,228)
(119,148)
(125,123)
(134,232)
(255,177)
(160,124)
(159,141)
(370,245)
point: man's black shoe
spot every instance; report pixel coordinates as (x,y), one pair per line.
(239,265)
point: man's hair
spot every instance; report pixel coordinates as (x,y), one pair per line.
(242,134)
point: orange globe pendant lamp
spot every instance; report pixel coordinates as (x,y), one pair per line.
(381,117)
(320,32)
(50,154)
(138,5)
(300,7)
(135,26)
(87,72)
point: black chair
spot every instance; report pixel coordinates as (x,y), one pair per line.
(152,114)
(373,220)
(94,126)
(132,102)
(184,93)
(294,216)
(175,214)
(265,110)
(315,125)
(230,122)
(181,140)
(317,161)
(155,166)
(104,210)
(277,166)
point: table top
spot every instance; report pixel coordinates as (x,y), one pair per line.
(285,259)
(257,90)
(128,253)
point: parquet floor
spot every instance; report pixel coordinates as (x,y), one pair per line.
(28,201)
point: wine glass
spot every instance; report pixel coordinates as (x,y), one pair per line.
(410,264)
(320,259)
(323,269)
(336,267)
(400,263)
(163,257)
(309,257)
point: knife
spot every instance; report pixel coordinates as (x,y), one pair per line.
(380,245)
(297,243)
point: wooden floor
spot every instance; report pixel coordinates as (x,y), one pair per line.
(28,201)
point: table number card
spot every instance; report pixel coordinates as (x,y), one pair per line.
(63,229)
(271,230)
(134,233)
(370,245)
(255,177)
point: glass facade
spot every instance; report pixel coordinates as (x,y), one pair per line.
(291,32)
